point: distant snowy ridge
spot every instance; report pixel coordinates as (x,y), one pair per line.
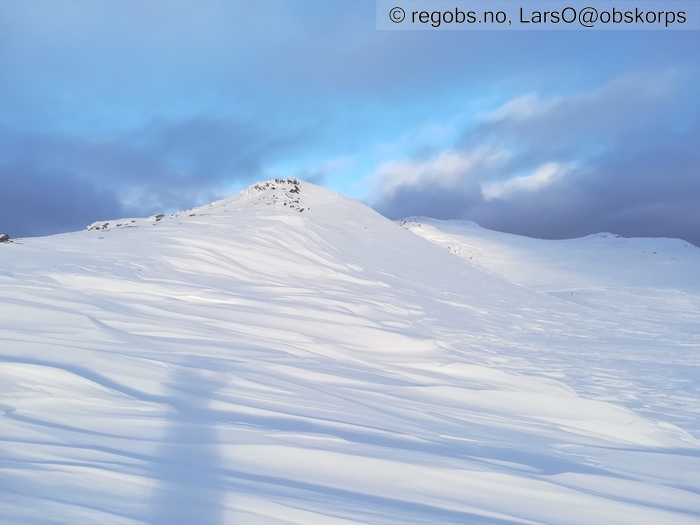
(639,259)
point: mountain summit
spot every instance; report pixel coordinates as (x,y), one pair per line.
(286,192)
(289,356)
(282,192)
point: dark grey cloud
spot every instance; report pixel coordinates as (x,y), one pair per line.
(623,163)
(36,202)
(654,192)
(60,182)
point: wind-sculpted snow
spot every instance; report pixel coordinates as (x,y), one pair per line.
(248,362)
(642,295)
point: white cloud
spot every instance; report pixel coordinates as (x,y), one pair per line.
(544,176)
(520,108)
(333,164)
(447,170)
(619,108)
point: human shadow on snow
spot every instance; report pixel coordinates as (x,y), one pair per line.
(187,464)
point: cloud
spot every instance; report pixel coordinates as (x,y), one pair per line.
(36,202)
(652,192)
(324,171)
(615,158)
(448,169)
(222,94)
(628,108)
(543,176)
(162,165)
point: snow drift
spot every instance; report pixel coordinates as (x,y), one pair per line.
(289,356)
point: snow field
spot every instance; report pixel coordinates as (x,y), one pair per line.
(248,362)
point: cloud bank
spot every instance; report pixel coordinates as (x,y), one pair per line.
(618,158)
(130,108)
(163,165)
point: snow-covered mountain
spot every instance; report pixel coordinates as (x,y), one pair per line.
(289,356)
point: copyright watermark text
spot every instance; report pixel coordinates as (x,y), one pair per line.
(533,14)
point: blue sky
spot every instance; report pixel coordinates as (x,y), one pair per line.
(135,107)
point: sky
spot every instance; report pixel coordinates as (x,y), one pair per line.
(129,108)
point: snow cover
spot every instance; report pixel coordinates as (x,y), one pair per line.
(289,356)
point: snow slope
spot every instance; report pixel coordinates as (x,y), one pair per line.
(288,356)
(644,292)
